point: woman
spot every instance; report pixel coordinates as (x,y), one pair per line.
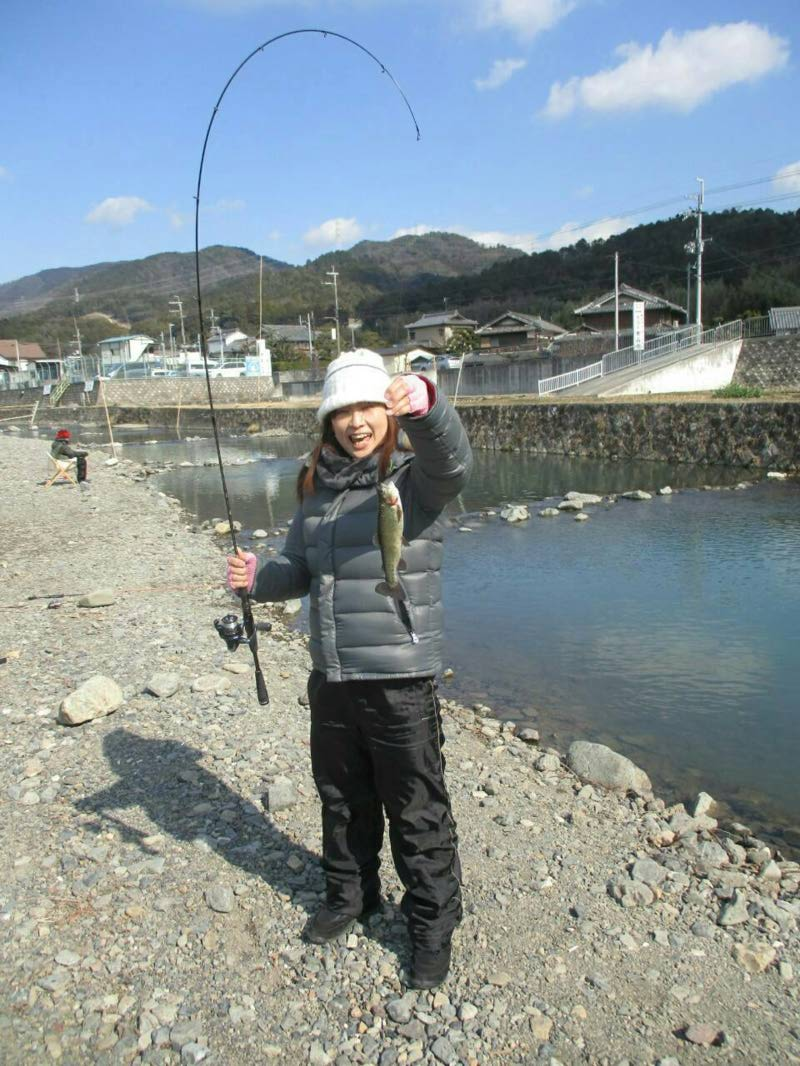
(376,731)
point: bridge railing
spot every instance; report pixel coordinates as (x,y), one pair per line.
(665,344)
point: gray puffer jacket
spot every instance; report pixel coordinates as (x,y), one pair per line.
(330,551)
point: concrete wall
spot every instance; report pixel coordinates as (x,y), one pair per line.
(168,392)
(750,433)
(702,372)
(509,378)
(734,433)
(770,363)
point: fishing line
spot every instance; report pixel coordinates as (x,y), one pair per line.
(229,628)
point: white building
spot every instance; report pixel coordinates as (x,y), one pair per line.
(131,348)
(226,343)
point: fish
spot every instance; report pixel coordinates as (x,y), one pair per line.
(390,540)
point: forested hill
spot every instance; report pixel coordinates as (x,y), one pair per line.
(751,263)
(136,295)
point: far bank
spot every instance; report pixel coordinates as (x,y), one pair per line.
(763,434)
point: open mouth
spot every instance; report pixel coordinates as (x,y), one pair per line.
(357,439)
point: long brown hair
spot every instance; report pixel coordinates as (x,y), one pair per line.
(305,479)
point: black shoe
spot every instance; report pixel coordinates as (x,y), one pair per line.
(429,967)
(329,924)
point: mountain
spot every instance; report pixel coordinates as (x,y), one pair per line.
(137,293)
(752,262)
(167,273)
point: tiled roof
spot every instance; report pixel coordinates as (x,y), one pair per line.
(31,352)
(784,318)
(293,334)
(525,322)
(441,318)
(627,294)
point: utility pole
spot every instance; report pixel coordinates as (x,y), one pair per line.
(688,291)
(696,248)
(178,302)
(311,353)
(616,301)
(260,293)
(353,335)
(171,341)
(700,254)
(333,274)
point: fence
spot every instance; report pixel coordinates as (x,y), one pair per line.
(655,348)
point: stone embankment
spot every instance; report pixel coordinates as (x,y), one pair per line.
(160,859)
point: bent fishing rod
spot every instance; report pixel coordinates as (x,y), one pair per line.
(233,631)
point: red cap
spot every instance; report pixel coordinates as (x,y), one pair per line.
(63,434)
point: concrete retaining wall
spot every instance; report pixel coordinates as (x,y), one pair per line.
(755,433)
(703,371)
(769,363)
(734,433)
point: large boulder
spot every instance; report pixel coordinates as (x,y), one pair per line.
(95,698)
(599,765)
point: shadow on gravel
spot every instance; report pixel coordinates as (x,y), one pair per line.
(165,780)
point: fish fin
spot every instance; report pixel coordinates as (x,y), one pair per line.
(402,565)
(395,593)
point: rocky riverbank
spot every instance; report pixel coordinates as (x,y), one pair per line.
(160,861)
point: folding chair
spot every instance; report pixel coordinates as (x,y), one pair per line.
(63,471)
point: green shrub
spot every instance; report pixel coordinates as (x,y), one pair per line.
(738,392)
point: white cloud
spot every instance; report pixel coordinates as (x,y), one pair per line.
(527,18)
(177,219)
(501,71)
(569,233)
(118,210)
(336,232)
(5,173)
(787,179)
(584,192)
(677,74)
(572,232)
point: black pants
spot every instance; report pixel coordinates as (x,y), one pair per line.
(377,745)
(81,464)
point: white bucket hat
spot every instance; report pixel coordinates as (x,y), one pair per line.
(354,377)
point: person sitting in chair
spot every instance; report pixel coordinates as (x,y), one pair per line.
(63,451)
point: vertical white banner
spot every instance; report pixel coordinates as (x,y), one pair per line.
(638,325)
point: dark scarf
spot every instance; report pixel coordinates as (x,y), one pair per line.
(337,471)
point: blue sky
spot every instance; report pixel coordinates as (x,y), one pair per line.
(542,121)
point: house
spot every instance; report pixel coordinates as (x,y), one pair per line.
(402,358)
(295,335)
(436,328)
(514,329)
(116,351)
(23,363)
(227,342)
(657,311)
(784,320)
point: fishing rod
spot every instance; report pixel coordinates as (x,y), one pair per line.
(233,631)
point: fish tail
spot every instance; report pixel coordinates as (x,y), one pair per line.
(395,592)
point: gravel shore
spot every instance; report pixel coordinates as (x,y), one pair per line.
(160,861)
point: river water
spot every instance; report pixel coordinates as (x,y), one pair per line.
(667,629)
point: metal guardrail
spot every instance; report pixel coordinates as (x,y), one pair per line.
(657,347)
(758,327)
